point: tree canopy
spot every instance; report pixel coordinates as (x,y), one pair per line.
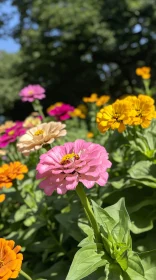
(73,48)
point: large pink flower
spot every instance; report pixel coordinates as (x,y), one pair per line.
(63,167)
(11,134)
(32,92)
(61,112)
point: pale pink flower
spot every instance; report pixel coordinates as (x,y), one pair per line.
(63,167)
(32,92)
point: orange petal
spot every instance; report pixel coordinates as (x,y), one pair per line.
(9,257)
(3,270)
(20,177)
(14,274)
(7,276)
(17,249)
(11,243)
(12,264)
(18,265)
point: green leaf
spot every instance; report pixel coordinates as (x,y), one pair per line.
(149,264)
(143,170)
(113,272)
(21,213)
(58,271)
(86,261)
(135,268)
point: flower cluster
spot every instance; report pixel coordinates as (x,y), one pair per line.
(40,135)
(63,167)
(144,72)
(11,134)
(99,101)
(10,172)
(32,93)
(131,110)
(10,259)
(60,111)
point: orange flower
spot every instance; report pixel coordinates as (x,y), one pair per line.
(93,98)
(10,259)
(102,100)
(10,172)
(90,134)
(144,72)
(2,197)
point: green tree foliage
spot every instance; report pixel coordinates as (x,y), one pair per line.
(10,84)
(77,47)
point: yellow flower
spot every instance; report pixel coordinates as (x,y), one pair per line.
(102,100)
(143,110)
(79,112)
(113,116)
(90,135)
(33,120)
(144,72)
(93,98)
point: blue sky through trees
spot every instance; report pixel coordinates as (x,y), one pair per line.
(7,43)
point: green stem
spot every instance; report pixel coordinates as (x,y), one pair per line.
(146,85)
(88,210)
(25,275)
(37,107)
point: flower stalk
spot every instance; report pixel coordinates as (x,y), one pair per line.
(25,275)
(88,210)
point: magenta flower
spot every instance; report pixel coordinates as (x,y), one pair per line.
(32,92)
(61,113)
(11,134)
(63,167)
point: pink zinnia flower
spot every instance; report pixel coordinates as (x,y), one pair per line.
(61,112)
(11,134)
(63,167)
(32,92)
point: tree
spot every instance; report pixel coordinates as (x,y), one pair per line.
(76,47)
(10,84)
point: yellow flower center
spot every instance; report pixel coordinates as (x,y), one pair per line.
(66,159)
(11,132)
(1,263)
(30,92)
(39,132)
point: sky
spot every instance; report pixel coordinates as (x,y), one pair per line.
(8,44)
